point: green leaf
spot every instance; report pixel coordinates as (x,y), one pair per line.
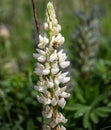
(79,94)
(101,114)
(81,111)
(86,122)
(94,117)
(74,107)
(30,125)
(104,109)
(98,99)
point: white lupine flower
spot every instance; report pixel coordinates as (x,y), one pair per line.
(54,102)
(61,93)
(47,94)
(62,56)
(59,39)
(60,118)
(49,62)
(47,113)
(39,68)
(53,124)
(50,83)
(41,52)
(43,100)
(62,78)
(54,56)
(55,68)
(46,70)
(55,30)
(64,64)
(40,88)
(62,102)
(46,127)
(40,58)
(55,22)
(65,95)
(46,26)
(65,80)
(43,42)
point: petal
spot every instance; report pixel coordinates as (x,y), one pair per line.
(54,102)
(62,103)
(65,80)
(54,70)
(65,95)
(64,64)
(53,56)
(45,71)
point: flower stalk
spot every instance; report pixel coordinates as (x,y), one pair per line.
(52,82)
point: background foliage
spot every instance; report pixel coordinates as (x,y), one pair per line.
(89,107)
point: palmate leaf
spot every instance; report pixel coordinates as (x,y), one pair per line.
(81,111)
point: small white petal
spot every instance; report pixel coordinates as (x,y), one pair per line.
(43,100)
(60,118)
(40,38)
(50,83)
(46,26)
(53,102)
(64,64)
(38,71)
(53,56)
(54,70)
(41,45)
(59,27)
(47,113)
(58,92)
(65,95)
(55,21)
(45,71)
(35,55)
(39,88)
(62,103)
(65,80)
(55,30)
(41,58)
(41,52)
(62,76)
(45,40)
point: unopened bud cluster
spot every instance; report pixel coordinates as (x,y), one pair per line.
(52,82)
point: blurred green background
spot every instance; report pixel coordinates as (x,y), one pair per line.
(86,26)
